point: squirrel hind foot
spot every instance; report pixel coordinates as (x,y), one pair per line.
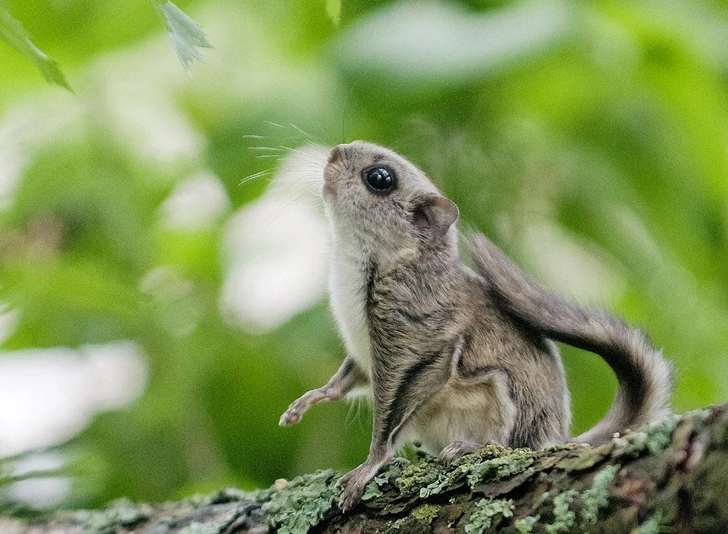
(458,449)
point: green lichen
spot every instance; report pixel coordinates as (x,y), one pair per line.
(396,525)
(228,494)
(564,517)
(430,477)
(188,516)
(485,514)
(444,480)
(597,496)
(200,528)
(497,469)
(589,502)
(302,504)
(651,526)
(426,512)
(419,475)
(654,438)
(585,458)
(372,491)
(525,524)
(121,513)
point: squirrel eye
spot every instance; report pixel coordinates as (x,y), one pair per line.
(379,180)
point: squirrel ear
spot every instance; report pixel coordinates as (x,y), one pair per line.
(435,214)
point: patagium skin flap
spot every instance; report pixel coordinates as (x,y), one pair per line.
(454,358)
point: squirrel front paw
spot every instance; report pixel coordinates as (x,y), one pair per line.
(295,411)
(292,415)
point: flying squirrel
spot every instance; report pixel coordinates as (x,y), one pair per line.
(455,359)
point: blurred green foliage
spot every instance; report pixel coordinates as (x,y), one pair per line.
(588,139)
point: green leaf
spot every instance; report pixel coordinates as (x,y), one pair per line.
(333,9)
(411,44)
(13,32)
(186,36)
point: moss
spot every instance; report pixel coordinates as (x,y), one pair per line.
(300,505)
(485,513)
(426,512)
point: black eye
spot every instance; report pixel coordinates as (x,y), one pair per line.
(379,180)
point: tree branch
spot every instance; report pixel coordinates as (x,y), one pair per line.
(672,476)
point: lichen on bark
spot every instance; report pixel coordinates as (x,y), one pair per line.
(671,476)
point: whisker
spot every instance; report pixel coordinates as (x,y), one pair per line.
(283,208)
(282,189)
(297,171)
(308,135)
(347,103)
(306,156)
(275,124)
(310,176)
(255,176)
(271,148)
(303,164)
(290,183)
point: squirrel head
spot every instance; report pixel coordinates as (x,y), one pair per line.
(385,203)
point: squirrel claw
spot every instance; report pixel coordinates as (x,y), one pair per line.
(288,419)
(353,484)
(458,449)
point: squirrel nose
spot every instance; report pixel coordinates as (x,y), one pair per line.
(335,154)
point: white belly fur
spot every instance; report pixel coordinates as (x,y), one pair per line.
(347,290)
(473,413)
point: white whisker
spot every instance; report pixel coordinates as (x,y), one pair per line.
(255,176)
(308,135)
(283,208)
(269,148)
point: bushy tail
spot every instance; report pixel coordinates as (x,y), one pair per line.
(645,378)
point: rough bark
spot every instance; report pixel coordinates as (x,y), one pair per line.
(671,477)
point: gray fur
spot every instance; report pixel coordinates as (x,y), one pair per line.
(645,378)
(452,358)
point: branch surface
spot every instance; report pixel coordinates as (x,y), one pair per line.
(669,477)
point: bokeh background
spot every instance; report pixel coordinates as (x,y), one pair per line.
(163,251)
